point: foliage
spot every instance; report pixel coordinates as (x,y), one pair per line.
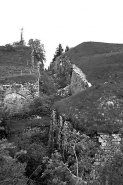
(64,72)
(9,47)
(73,165)
(38,50)
(47,85)
(41,106)
(109,158)
(11,171)
(112,171)
(81,160)
(59,51)
(31,135)
(95,109)
(57,172)
(31,141)
(67,48)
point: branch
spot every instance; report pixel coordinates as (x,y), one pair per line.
(32,174)
(77,164)
(78,179)
(69,170)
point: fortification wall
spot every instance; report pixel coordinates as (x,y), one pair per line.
(16,97)
(78,81)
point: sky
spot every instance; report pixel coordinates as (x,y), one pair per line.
(69,22)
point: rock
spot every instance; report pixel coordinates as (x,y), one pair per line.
(78,81)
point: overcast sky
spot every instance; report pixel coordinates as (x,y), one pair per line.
(69,22)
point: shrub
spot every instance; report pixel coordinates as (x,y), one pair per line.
(41,106)
(11,171)
(47,85)
(112,171)
(9,47)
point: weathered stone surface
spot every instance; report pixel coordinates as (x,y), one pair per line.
(16,97)
(78,81)
(64,92)
(14,103)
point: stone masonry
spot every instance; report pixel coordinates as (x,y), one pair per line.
(15,97)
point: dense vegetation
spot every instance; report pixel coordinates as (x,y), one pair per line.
(28,153)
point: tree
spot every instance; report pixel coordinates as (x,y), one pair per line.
(67,48)
(11,171)
(72,168)
(59,51)
(38,51)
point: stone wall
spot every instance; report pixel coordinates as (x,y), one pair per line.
(60,125)
(59,128)
(16,97)
(78,80)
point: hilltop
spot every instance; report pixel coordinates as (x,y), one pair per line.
(13,60)
(101,62)
(15,65)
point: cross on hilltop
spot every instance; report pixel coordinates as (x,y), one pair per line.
(21,35)
(21,38)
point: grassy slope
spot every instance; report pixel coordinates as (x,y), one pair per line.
(19,79)
(100,62)
(89,110)
(11,64)
(98,108)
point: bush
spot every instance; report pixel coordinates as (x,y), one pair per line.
(112,171)
(41,106)
(9,47)
(11,171)
(47,85)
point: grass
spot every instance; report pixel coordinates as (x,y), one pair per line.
(12,62)
(19,79)
(101,62)
(97,109)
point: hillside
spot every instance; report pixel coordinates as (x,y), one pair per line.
(64,136)
(101,62)
(12,61)
(19,79)
(98,108)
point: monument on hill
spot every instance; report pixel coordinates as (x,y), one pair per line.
(21,42)
(21,39)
